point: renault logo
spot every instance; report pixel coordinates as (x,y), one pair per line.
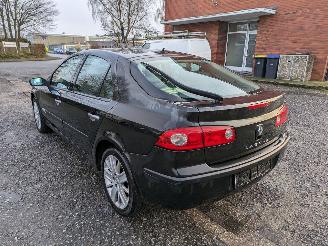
(259,131)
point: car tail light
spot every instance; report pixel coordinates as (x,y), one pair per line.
(196,137)
(182,139)
(258,105)
(218,135)
(282,117)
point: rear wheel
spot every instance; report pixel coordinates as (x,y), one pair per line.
(39,119)
(119,184)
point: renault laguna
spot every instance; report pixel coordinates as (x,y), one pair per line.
(162,127)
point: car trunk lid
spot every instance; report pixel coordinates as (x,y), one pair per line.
(253,117)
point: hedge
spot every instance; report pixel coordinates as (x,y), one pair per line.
(38,50)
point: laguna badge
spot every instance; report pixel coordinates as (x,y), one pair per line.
(259,131)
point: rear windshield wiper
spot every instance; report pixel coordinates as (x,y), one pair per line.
(182,86)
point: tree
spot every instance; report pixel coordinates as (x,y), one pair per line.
(3,23)
(160,10)
(7,23)
(122,17)
(22,16)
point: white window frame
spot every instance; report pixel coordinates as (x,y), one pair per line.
(243,68)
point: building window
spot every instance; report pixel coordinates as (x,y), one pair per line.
(241,45)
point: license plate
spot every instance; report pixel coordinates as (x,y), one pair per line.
(246,177)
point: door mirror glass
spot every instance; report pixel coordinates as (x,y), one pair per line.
(38,82)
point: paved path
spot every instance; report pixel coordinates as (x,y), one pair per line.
(49,196)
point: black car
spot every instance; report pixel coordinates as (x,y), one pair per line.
(162,127)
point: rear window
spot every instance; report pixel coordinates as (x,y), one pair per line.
(198,74)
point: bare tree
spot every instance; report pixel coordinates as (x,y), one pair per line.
(160,10)
(22,16)
(5,6)
(122,17)
(2,21)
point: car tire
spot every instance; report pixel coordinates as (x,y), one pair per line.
(39,119)
(119,184)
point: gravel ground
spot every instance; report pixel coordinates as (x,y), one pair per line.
(49,196)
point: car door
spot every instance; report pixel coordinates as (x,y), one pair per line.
(84,105)
(61,81)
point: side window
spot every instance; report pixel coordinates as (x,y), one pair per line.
(92,75)
(64,75)
(107,88)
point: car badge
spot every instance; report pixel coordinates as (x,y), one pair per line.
(259,131)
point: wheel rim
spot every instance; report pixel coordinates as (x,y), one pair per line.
(37,115)
(116,182)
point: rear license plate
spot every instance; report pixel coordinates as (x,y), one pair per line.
(246,177)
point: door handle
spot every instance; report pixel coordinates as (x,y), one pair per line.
(58,102)
(93,117)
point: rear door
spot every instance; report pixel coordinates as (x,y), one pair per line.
(84,106)
(61,81)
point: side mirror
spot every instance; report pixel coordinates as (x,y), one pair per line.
(38,82)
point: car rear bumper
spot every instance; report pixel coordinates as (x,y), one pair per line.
(188,191)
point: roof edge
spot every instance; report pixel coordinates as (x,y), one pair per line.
(221,16)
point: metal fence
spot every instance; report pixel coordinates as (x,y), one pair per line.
(10,47)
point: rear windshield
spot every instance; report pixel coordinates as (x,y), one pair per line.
(193,73)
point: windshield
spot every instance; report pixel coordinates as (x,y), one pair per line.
(175,76)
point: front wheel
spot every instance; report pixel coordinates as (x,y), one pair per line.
(39,119)
(119,184)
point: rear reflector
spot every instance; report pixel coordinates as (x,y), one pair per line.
(258,105)
(282,117)
(191,138)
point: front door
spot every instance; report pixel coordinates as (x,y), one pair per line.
(241,43)
(84,106)
(61,81)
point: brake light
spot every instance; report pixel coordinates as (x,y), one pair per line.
(282,117)
(196,137)
(258,105)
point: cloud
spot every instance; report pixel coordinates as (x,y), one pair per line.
(75,18)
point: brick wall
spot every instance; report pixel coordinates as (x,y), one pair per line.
(300,26)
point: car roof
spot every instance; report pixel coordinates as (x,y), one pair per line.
(136,54)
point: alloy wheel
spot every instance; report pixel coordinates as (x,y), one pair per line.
(116,182)
(37,116)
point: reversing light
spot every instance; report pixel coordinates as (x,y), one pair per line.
(229,134)
(179,139)
(196,137)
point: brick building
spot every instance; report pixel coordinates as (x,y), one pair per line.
(237,30)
